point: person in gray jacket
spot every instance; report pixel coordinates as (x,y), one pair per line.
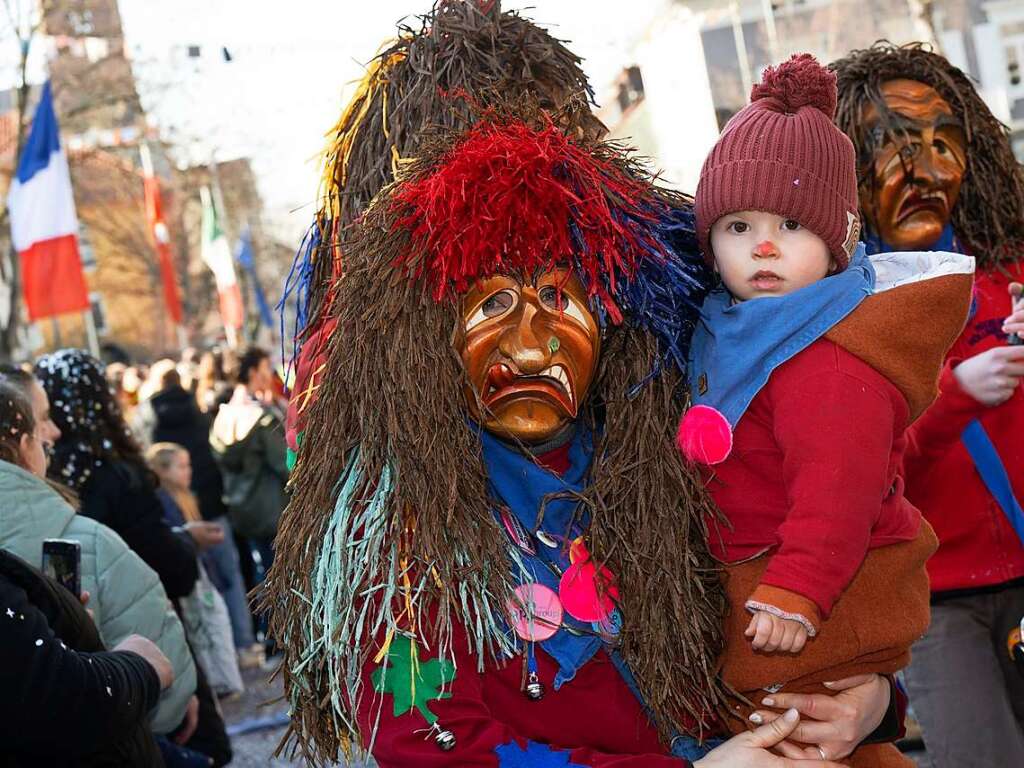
(126,596)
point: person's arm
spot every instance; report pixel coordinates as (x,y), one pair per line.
(89,699)
(132,601)
(893,726)
(942,423)
(835,431)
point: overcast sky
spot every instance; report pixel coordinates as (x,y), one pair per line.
(293,63)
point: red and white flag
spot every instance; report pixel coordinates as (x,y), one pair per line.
(44,226)
(161,237)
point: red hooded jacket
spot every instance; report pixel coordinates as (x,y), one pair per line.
(977,545)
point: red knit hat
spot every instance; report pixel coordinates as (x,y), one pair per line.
(783,154)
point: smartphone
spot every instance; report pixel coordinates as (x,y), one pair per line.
(1014,339)
(62,560)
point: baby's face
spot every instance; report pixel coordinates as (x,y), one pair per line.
(763,254)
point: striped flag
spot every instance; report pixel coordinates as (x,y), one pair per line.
(161,236)
(216,252)
(245,258)
(44,226)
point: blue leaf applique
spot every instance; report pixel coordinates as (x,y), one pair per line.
(535,755)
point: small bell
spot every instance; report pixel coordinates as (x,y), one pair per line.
(445,739)
(534,688)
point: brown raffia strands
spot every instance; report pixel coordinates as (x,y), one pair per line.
(392,403)
(392,387)
(458,48)
(648,512)
(989,216)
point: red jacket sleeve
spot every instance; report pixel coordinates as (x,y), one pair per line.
(835,430)
(401,735)
(942,424)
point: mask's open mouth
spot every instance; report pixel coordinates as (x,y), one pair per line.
(553,384)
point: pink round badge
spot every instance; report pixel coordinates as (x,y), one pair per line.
(535,612)
(580,595)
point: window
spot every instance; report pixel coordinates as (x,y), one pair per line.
(1012,34)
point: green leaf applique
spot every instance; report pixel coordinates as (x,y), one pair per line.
(412,682)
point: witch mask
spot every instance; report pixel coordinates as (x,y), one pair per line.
(530,347)
(917,172)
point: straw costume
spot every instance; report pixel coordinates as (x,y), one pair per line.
(416,562)
(471,48)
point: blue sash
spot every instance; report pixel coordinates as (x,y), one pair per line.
(993,474)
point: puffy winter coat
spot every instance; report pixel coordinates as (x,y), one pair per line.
(126,596)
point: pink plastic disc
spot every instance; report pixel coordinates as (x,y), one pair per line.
(580,596)
(535,612)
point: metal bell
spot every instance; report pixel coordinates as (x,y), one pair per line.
(534,688)
(445,739)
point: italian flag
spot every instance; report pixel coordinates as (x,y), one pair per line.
(44,226)
(216,253)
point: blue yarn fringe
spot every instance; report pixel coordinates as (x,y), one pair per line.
(665,293)
(298,286)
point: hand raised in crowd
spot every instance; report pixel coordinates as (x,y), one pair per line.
(992,377)
(835,724)
(205,535)
(83,598)
(750,750)
(148,650)
(771,633)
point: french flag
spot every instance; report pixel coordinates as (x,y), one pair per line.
(44,226)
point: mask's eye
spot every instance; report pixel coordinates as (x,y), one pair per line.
(791,225)
(495,306)
(738,227)
(550,297)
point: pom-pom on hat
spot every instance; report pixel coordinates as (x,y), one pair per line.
(783,154)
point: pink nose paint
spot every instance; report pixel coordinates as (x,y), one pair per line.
(766,248)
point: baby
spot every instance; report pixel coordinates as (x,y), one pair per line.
(805,376)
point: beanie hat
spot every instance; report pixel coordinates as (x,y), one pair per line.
(783,154)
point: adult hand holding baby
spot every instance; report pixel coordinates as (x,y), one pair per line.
(750,750)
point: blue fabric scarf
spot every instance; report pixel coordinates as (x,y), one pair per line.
(518,482)
(737,345)
(522,485)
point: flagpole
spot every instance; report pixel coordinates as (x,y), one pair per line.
(90,332)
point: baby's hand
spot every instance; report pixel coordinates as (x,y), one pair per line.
(771,633)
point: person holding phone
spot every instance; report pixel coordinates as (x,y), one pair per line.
(98,701)
(126,595)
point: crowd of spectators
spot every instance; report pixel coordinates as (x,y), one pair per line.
(170,479)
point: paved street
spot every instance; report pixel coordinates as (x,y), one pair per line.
(256,724)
